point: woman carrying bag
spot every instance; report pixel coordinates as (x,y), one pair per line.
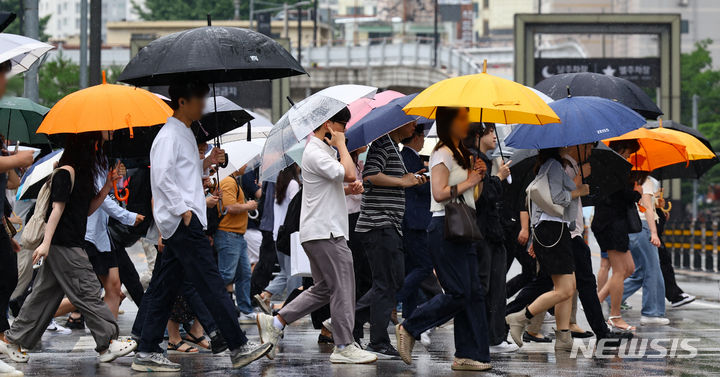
(552,214)
(452,173)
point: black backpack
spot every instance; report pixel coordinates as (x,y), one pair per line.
(139,201)
(290,225)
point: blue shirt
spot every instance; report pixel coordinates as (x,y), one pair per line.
(97,223)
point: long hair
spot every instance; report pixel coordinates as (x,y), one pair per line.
(283,181)
(639,176)
(544,155)
(84,152)
(444,117)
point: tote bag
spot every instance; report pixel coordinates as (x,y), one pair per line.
(538,192)
(299,262)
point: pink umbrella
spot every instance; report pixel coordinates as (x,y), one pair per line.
(363,106)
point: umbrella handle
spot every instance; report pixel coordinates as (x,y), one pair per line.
(224,164)
(121,197)
(253,214)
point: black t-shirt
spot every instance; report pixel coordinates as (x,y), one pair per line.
(70,231)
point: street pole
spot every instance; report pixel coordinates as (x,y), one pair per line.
(315,22)
(435,35)
(83,44)
(95,76)
(285,21)
(32,30)
(695,99)
(252,13)
(236,15)
(299,43)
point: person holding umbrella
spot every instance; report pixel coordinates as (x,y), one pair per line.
(66,269)
(179,210)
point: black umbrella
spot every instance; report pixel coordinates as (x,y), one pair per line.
(228,121)
(213,54)
(694,168)
(599,85)
(609,172)
(6,18)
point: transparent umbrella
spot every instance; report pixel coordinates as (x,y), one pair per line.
(301,120)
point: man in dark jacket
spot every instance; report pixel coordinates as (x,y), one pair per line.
(491,250)
(418,265)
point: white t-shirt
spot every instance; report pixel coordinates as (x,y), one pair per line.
(457,175)
(649,188)
(280,210)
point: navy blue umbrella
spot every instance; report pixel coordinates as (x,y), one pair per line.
(584,120)
(380,121)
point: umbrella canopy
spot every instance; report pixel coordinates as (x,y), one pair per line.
(20,118)
(363,106)
(239,154)
(599,85)
(212,54)
(229,116)
(105,107)
(381,121)
(259,127)
(700,152)
(37,174)
(656,149)
(21,51)
(489,98)
(584,120)
(302,118)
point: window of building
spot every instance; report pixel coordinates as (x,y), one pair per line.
(486,4)
(486,27)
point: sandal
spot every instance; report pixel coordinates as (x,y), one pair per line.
(75,323)
(176,347)
(613,327)
(189,337)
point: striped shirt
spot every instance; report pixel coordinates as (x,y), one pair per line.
(382,207)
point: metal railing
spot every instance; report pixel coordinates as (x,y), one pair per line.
(693,245)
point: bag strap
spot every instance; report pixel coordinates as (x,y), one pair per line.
(532,229)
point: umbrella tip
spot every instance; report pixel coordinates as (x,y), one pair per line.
(209,19)
(484,65)
(104,77)
(567,87)
(660,122)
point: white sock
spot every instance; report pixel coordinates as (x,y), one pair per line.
(278,325)
(342,346)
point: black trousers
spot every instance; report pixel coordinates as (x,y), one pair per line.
(672,291)
(492,271)
(128,275)
(188,255)
(516,251)
(387,264)
(8,277)
(262,273)
(586,286)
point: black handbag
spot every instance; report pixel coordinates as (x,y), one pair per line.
(460,220)
(633,219)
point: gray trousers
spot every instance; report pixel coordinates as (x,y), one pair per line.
(331,264)
(65,272)
(24,262)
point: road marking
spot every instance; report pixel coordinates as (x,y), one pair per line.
(84,343)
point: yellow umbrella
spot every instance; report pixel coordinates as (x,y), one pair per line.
(489,98)
(657,149)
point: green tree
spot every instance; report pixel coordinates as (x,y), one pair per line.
(15,6)
(58,78)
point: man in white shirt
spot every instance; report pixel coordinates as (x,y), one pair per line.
(324,233)
(179,210)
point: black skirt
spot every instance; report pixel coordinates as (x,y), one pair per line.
(102,262)
(613,236)
(557,258)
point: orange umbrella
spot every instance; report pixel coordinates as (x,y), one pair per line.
(657,149)
(105,107)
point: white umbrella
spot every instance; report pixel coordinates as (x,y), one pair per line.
(301,120)
(36,175)
(240,153)
(21,51)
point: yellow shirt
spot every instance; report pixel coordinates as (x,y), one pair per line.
(232,194)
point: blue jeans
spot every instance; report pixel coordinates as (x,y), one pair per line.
(234,266)
(456,265)
(283,281)
(647,275)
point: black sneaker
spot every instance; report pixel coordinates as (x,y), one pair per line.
(383,351)
(613,339)
(217,343)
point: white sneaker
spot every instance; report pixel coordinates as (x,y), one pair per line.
(425,338)
(53,327)
(268,332)
(247,318)
(118,348)
(8,371)
(654,321)
(549,318)
(686,299)
(504,347)
(351,354)
(14,352)
(153,362)
(328,325)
